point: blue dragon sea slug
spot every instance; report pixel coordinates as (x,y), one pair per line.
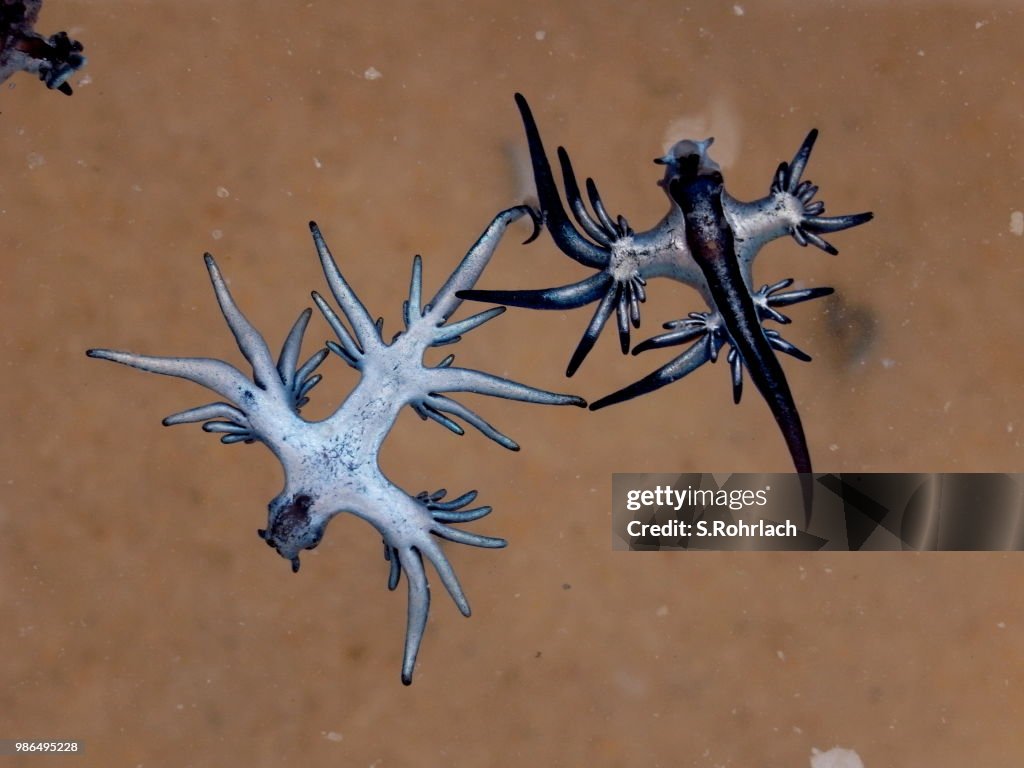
(708,240)
(331,466)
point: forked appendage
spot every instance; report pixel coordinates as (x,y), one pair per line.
(409,557)
(708,331)
(434,406)
(288,384)
(623,297)
(812,223)
(613,292)
(297,381)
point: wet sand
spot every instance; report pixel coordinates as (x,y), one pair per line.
(142,615)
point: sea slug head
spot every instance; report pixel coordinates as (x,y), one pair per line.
(293,527)
(687,158)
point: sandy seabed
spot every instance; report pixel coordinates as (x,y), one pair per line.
(140,613)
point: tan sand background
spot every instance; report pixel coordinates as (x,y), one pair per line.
(140,613)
